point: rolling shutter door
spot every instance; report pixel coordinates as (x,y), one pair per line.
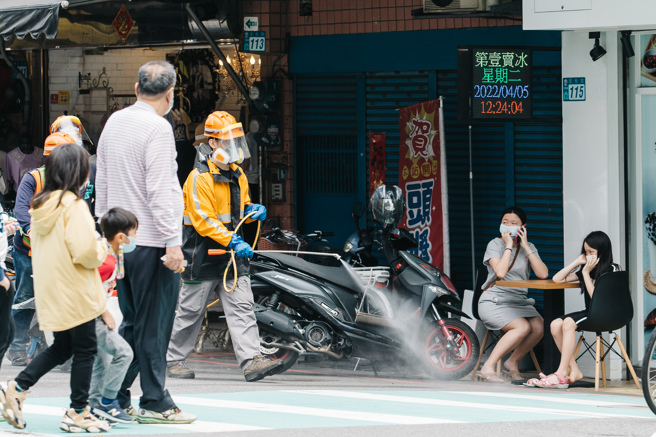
(387,92)
(326,125)
(489,152)
(513,163)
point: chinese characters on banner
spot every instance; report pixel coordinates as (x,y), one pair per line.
(422,177)
(501,83)
(376,161)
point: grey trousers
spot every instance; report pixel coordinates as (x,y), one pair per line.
(110,365)
(238,309)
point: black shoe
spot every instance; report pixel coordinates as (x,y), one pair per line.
(17,358)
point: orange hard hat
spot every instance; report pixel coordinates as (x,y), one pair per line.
(222,125)
(63,120)
(71,125)
(55,140)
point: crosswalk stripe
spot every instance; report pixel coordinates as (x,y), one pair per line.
(9,433)
(43,410)
(197,426)
(454,403)
(543,398)
(309,411)
(204,426)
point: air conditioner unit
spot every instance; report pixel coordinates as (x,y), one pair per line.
(453,6)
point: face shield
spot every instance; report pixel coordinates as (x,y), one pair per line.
(72,126)
(232,144)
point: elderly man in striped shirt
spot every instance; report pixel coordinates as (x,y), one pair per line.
(136,170)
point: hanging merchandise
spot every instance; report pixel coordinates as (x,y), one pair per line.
(376,161)
(197,85)
(422,168)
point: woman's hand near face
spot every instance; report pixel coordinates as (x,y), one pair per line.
(590,264)
(523,239)
(581,260)
(507,239)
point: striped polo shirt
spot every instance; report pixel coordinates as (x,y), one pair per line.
(136,170)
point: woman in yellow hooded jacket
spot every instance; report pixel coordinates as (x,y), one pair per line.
(66,254)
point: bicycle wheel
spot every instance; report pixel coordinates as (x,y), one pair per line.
(649,373)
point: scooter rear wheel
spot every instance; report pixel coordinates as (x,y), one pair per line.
(287,356)
(442,363)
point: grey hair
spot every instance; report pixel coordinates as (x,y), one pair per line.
(156,77)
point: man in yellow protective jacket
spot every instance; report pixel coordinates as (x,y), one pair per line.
(216,200)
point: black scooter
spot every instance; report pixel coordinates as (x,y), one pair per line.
(340,312)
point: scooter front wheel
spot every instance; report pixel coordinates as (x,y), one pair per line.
(449,360)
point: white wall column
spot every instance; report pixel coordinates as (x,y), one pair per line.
(593,181)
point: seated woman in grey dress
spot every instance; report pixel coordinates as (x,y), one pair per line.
(510,257)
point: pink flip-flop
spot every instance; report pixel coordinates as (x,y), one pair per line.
(563,382)
(531,382)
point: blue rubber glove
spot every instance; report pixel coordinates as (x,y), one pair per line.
(242,249)
(260,211)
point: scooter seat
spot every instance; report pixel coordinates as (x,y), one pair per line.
(343,275)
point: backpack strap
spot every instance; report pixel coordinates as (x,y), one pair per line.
(38,175)
(509,268)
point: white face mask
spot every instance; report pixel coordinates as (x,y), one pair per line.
(171,104)
(512,229)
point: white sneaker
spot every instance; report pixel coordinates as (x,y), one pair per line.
(131,411)
(12,404)
(174,415)
(84,421)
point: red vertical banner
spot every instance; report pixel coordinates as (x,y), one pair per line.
(376,161)
(422,177)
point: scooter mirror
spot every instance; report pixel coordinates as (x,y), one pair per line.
(358,210)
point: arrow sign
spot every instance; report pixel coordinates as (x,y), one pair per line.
(251,23)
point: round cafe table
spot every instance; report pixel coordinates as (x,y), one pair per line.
(554,306)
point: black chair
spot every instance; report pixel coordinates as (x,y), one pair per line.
(481,277)
(610,309)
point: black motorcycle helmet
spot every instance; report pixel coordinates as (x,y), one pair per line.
(387,204)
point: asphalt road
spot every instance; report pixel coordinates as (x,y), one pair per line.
(330,398)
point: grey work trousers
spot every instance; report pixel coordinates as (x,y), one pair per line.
(238,309)
(111,364)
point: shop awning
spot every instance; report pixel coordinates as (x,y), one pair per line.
(20,18)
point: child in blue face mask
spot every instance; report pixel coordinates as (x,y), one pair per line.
(114,353)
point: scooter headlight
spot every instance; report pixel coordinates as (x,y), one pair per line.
(348,246)
(437,290)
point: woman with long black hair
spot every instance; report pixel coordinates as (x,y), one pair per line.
(596,258)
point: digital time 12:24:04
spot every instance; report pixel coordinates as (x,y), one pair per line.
(501,107)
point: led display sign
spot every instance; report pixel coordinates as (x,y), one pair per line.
(501,84)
